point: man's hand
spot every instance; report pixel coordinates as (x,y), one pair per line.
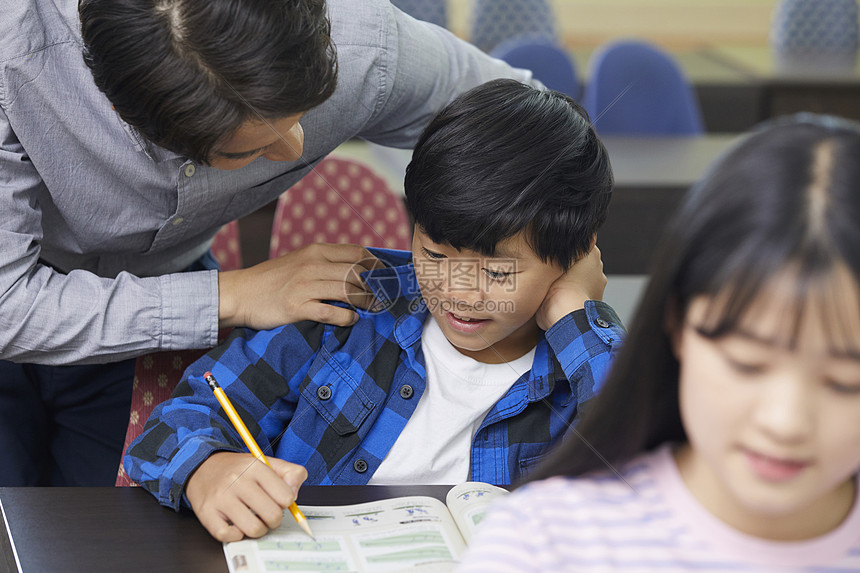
(292,287)
(583,281)
(236,495)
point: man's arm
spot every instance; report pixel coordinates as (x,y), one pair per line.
(429,68)
(48,317)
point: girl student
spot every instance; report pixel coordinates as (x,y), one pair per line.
(727,436)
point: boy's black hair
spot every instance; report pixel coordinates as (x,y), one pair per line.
(783,203)
(506,157)
(188,73)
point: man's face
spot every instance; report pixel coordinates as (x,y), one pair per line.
(276,140)
(485,306)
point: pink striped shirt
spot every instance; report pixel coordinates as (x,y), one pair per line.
(602,524)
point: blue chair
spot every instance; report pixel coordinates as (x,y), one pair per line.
(815,33)
(636,88)
(494,21)
(433,11)
(549,62)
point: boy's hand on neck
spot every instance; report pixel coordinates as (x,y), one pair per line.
(583,281)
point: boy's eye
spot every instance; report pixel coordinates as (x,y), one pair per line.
(497,275)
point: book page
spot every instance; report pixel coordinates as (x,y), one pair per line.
(468,503)
(406,533)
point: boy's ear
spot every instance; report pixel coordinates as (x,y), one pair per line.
(593,242)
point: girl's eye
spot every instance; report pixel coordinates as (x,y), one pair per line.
(432,255)
(749,368)
(849,389)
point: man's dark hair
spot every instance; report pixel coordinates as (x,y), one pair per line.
(188,73)
(506,157)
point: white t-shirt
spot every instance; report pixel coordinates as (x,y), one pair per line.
(648,522)
(435,445)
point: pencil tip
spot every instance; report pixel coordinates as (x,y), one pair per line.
(307,529)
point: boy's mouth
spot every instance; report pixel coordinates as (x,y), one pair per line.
(464,323)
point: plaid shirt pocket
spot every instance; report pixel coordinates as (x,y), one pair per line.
(335,395)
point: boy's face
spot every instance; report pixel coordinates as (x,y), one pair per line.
(485,305)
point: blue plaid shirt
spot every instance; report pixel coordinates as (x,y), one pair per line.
(335,399)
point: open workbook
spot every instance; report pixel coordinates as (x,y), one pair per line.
(415,533)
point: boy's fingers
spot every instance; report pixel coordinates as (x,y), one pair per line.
(263,506)
(282,485)
(244,519)
(219,527)
(293,475)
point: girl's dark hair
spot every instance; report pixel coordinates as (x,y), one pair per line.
(785,199)
(188,73)
(506,157)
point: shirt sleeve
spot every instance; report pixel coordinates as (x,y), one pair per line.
(48,317)
(585,342)
(262,373)
(429,68)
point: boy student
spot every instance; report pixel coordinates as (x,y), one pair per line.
(487,340)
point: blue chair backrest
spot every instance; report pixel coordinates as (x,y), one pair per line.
(434,11)
(636,88)
(815,26)
(549,62)
(494,21)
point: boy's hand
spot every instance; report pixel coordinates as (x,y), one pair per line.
(583,281)
(293,287)
(236,495)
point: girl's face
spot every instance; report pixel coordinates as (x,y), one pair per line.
(773,418)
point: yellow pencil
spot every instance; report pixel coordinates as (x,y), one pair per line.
(251,442)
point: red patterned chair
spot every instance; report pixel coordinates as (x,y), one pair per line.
(157,374)
(340,201)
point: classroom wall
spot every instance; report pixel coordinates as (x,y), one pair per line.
(673,23)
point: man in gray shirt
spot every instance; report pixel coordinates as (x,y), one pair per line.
(111,190)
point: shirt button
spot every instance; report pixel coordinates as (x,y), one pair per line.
(360,466)
(190,170)
(323,392)
(601,323)
(406,391)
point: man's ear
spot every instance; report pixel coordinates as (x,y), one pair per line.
(593,242)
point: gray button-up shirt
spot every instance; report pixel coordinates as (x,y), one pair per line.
(97,222)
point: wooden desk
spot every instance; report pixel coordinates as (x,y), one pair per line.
(651,177)
(94,530)
(821,88)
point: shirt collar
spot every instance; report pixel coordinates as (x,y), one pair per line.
(396,290)
(154,152)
